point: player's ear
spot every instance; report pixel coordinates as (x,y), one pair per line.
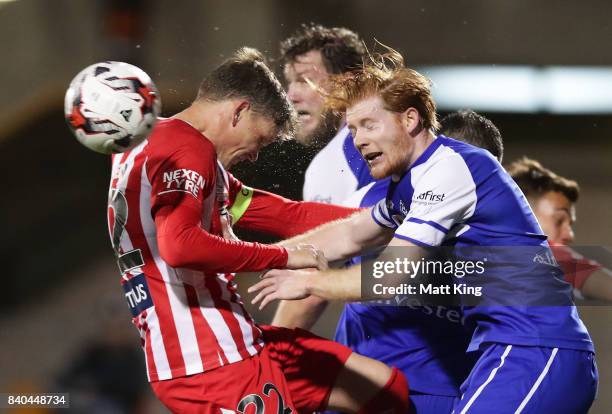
(412,121)
(239,111)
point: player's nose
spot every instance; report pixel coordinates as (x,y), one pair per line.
(293,93)
(359,142)
(568,235)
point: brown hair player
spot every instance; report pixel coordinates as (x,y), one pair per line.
(553,199)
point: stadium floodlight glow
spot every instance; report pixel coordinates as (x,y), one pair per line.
(579,89)
(554,89)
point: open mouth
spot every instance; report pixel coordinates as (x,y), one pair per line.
(372,157)
(303,115)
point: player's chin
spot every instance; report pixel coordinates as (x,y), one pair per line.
(304,137)
(380,171)
(307,133)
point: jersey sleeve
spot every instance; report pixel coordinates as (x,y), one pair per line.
(272,214)
(381,215)
(181,170)
(183,243)
(444,194)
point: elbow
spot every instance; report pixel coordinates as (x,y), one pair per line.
(171,253)
(177,252)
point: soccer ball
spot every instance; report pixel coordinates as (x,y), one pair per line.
(111,106)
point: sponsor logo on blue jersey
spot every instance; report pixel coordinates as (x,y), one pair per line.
(430,196)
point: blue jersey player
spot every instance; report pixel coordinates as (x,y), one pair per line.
(445,192)
(426,342)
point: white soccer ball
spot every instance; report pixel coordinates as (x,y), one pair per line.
(111,106)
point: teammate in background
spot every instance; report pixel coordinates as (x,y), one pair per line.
(553,199)
(168,204)
(309,57)
(473,128)
(527,355)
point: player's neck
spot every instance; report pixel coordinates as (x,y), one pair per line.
(195,115)
(421,142)
(208,118)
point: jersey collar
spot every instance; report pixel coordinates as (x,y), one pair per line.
(422,158)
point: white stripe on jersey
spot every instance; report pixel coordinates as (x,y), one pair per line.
(157,346)
(140,323)
(245,327)
(152,323)
(222,341)
(177,295)
(217,324)
(380,214)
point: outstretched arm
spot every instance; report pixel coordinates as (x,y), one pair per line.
(343,239)
(599,285)
(184,243)
(347,230)
(272,214)
(338,240)
(589,277)
(332,284)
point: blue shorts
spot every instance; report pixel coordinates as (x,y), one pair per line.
(431,404)
(529,379)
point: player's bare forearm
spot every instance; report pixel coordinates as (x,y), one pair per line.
(345,284)
(599,285)
(331,238)
(336,284)
(302,313)
(331,284)
(345,238)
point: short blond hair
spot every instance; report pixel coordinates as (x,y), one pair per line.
(386,76)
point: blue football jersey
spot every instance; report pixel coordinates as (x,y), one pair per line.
(458,195)
(336,171)
(428,343)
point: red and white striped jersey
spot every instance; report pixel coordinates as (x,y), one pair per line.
(189,321)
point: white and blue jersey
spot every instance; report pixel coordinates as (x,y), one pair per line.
(427,343)
(458,195)
(336,171)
